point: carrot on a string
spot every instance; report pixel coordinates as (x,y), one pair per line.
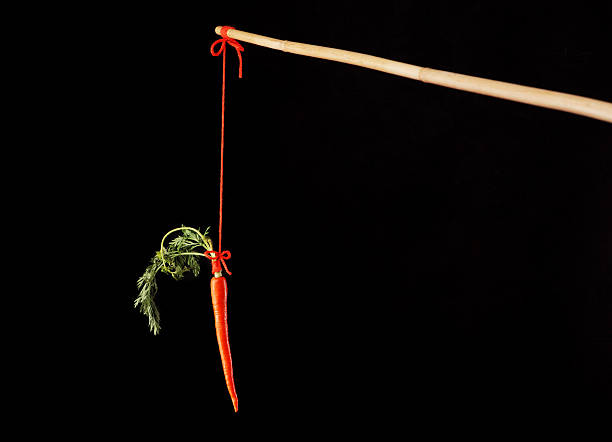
(180,256)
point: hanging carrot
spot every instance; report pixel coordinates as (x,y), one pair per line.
(218,290)
(218,284)
(178,258)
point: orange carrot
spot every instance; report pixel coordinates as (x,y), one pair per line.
(218,290)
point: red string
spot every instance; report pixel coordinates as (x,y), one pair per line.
(222,49)
(225,39)
(215,257)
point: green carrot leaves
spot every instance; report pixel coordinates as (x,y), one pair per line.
(177,259)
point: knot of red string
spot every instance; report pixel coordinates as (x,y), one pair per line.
(225,39)
(217,259)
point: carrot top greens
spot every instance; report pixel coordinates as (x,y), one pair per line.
(177,259)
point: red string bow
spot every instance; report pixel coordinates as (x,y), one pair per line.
(225,39)
(218,256)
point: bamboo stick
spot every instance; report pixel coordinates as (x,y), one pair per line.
(575,104)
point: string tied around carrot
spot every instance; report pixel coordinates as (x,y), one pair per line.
(223,41)
(218,258)
(218,283)
(180,255)
(227,40)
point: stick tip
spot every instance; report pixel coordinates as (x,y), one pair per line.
(218,30)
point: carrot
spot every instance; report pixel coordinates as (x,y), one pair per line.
(177,259)
(218,290)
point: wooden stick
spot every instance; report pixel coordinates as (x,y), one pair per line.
(575,104)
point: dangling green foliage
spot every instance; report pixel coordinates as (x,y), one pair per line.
(177,259)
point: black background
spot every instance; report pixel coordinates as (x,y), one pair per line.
(402,253)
